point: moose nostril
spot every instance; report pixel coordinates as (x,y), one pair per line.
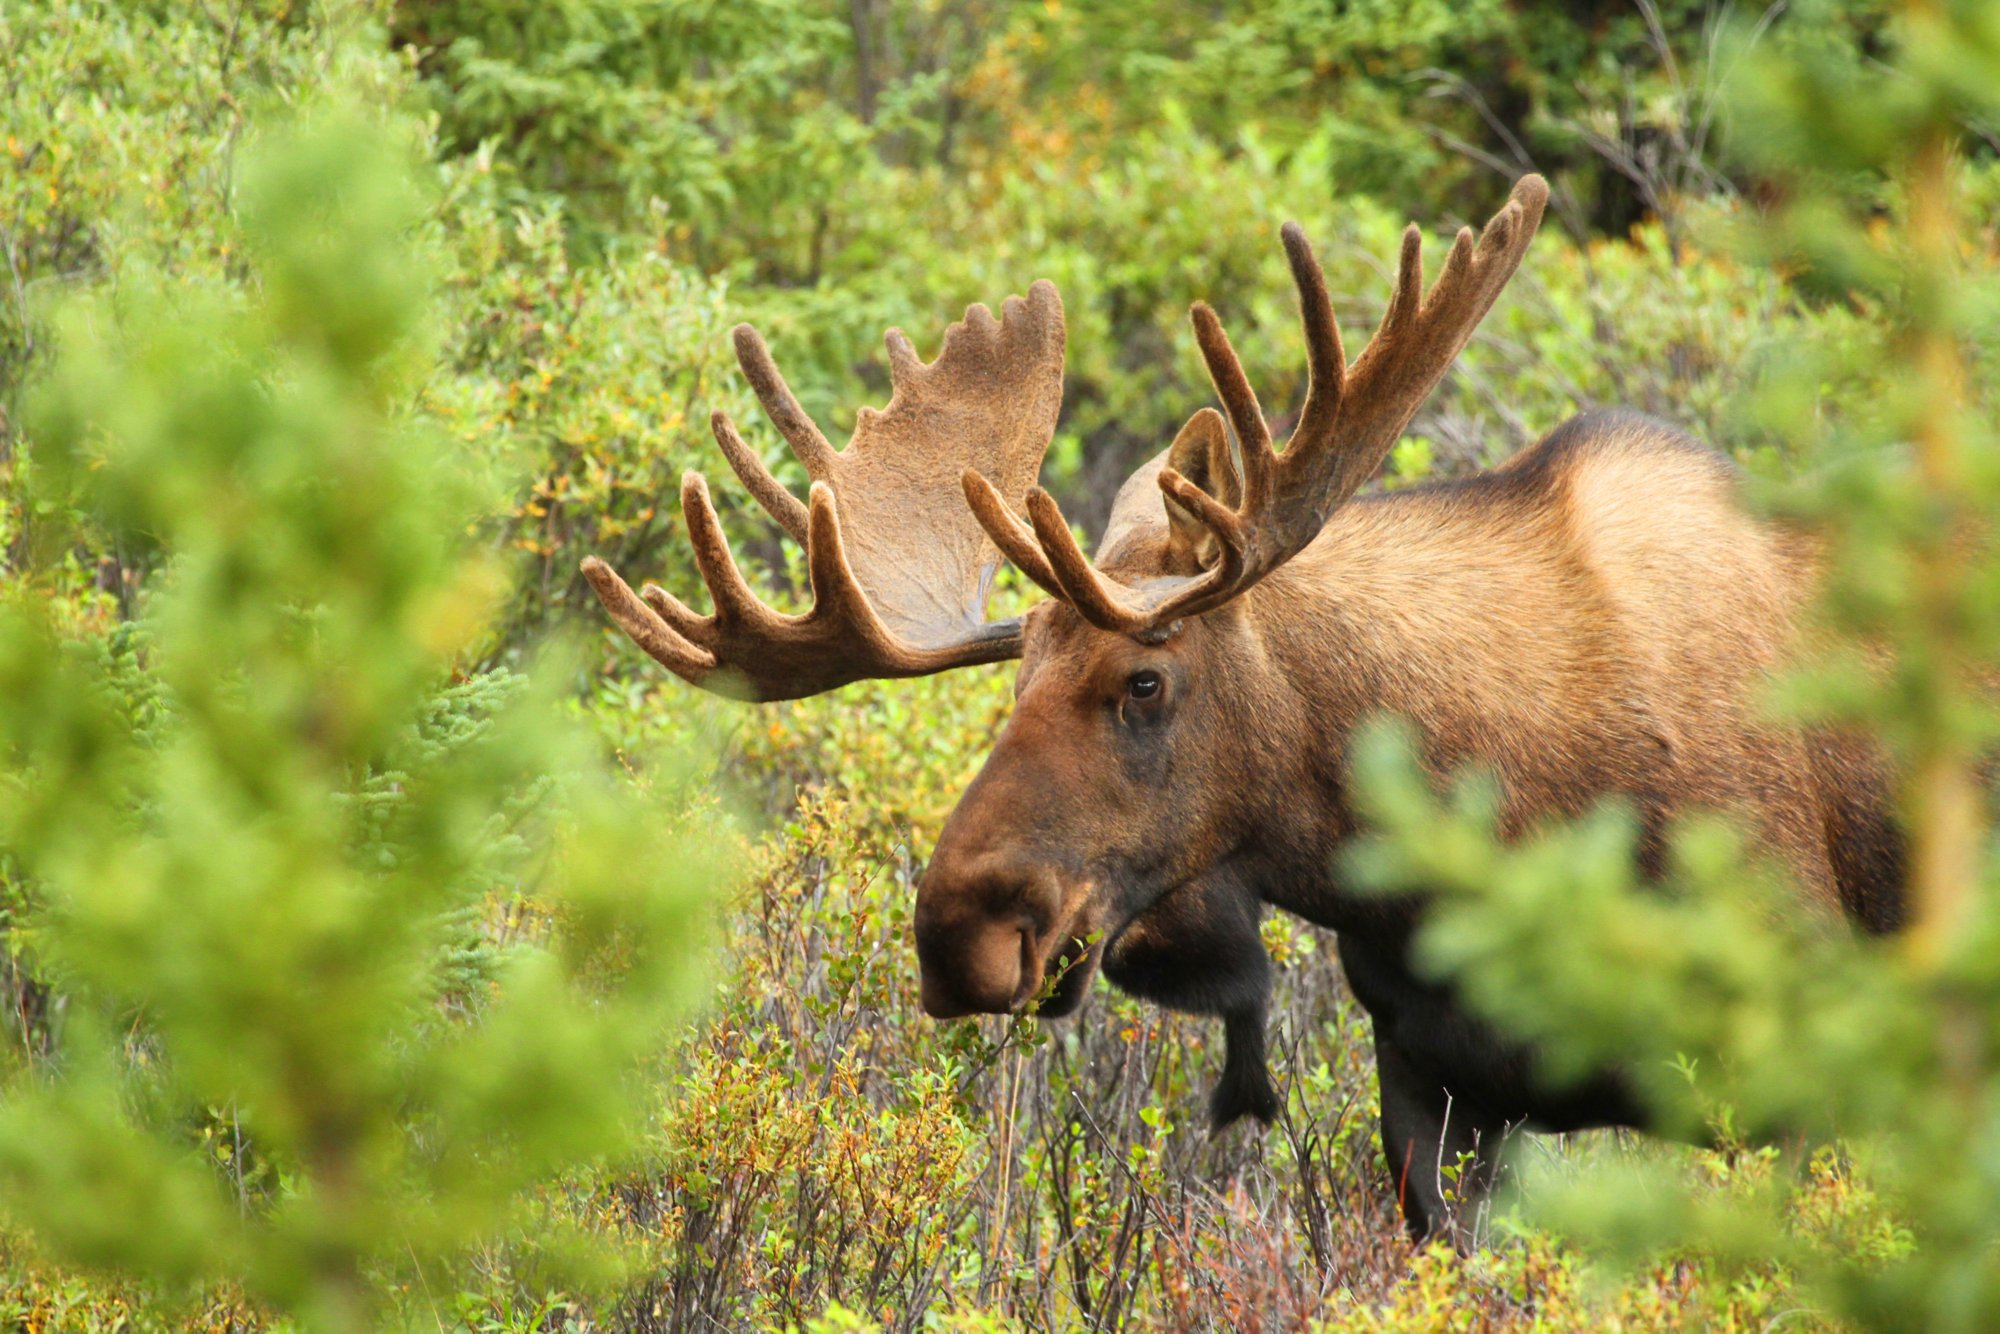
(981,916)
(1030,966)
(1039,899)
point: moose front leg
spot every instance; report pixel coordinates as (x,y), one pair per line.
(1441,1151)
(1199,950)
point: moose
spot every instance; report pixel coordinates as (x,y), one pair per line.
(1588,620)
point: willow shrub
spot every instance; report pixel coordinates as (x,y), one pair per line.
(410,941)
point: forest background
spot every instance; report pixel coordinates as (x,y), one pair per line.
(333,336)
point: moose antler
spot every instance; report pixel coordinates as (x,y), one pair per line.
(1351,418)
(900,569)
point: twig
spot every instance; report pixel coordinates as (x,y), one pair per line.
(20,294)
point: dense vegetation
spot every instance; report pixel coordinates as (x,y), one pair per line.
(378,949)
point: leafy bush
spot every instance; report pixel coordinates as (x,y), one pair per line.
(593,382)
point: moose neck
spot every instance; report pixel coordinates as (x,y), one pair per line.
(1450,607)
(1463,609)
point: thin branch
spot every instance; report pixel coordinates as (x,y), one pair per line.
(20,293)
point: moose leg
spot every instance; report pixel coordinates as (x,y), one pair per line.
(1198,950)
(1245,1088)
(1441,1152)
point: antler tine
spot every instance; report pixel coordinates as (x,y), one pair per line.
(1239,400)
(1211,513)
(1458,263)
(686,622)
(1048,553)
(683,640)
(904,363)
(779,503)
(1232,541)
(685,660)
(1015,539)
(1200,460)
(1312,455)
(1326,360)
(1487,265)
(1477,270)
(1406,296)
(836,592)
(799,430)
(1082,586)
(734,598)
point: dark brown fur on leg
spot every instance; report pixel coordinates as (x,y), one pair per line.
(1442,1152)
(1245,1088)
(1863,838)
(1199,950)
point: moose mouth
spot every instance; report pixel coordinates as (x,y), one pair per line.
(1058,968)
(1064,979)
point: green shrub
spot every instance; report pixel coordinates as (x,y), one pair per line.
(593,383)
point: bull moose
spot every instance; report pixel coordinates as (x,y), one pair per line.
(1587,620)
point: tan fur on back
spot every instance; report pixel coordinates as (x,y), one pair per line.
(1595,616)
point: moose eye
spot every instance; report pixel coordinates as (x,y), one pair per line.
(1143,685)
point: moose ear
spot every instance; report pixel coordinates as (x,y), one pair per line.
(1201,454)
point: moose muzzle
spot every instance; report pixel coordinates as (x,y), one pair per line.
(988,934)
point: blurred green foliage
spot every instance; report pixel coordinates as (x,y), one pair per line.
(260,837)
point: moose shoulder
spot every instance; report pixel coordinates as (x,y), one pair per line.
(1590,619)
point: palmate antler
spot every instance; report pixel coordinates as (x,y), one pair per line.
(900,568)
(1351,418)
